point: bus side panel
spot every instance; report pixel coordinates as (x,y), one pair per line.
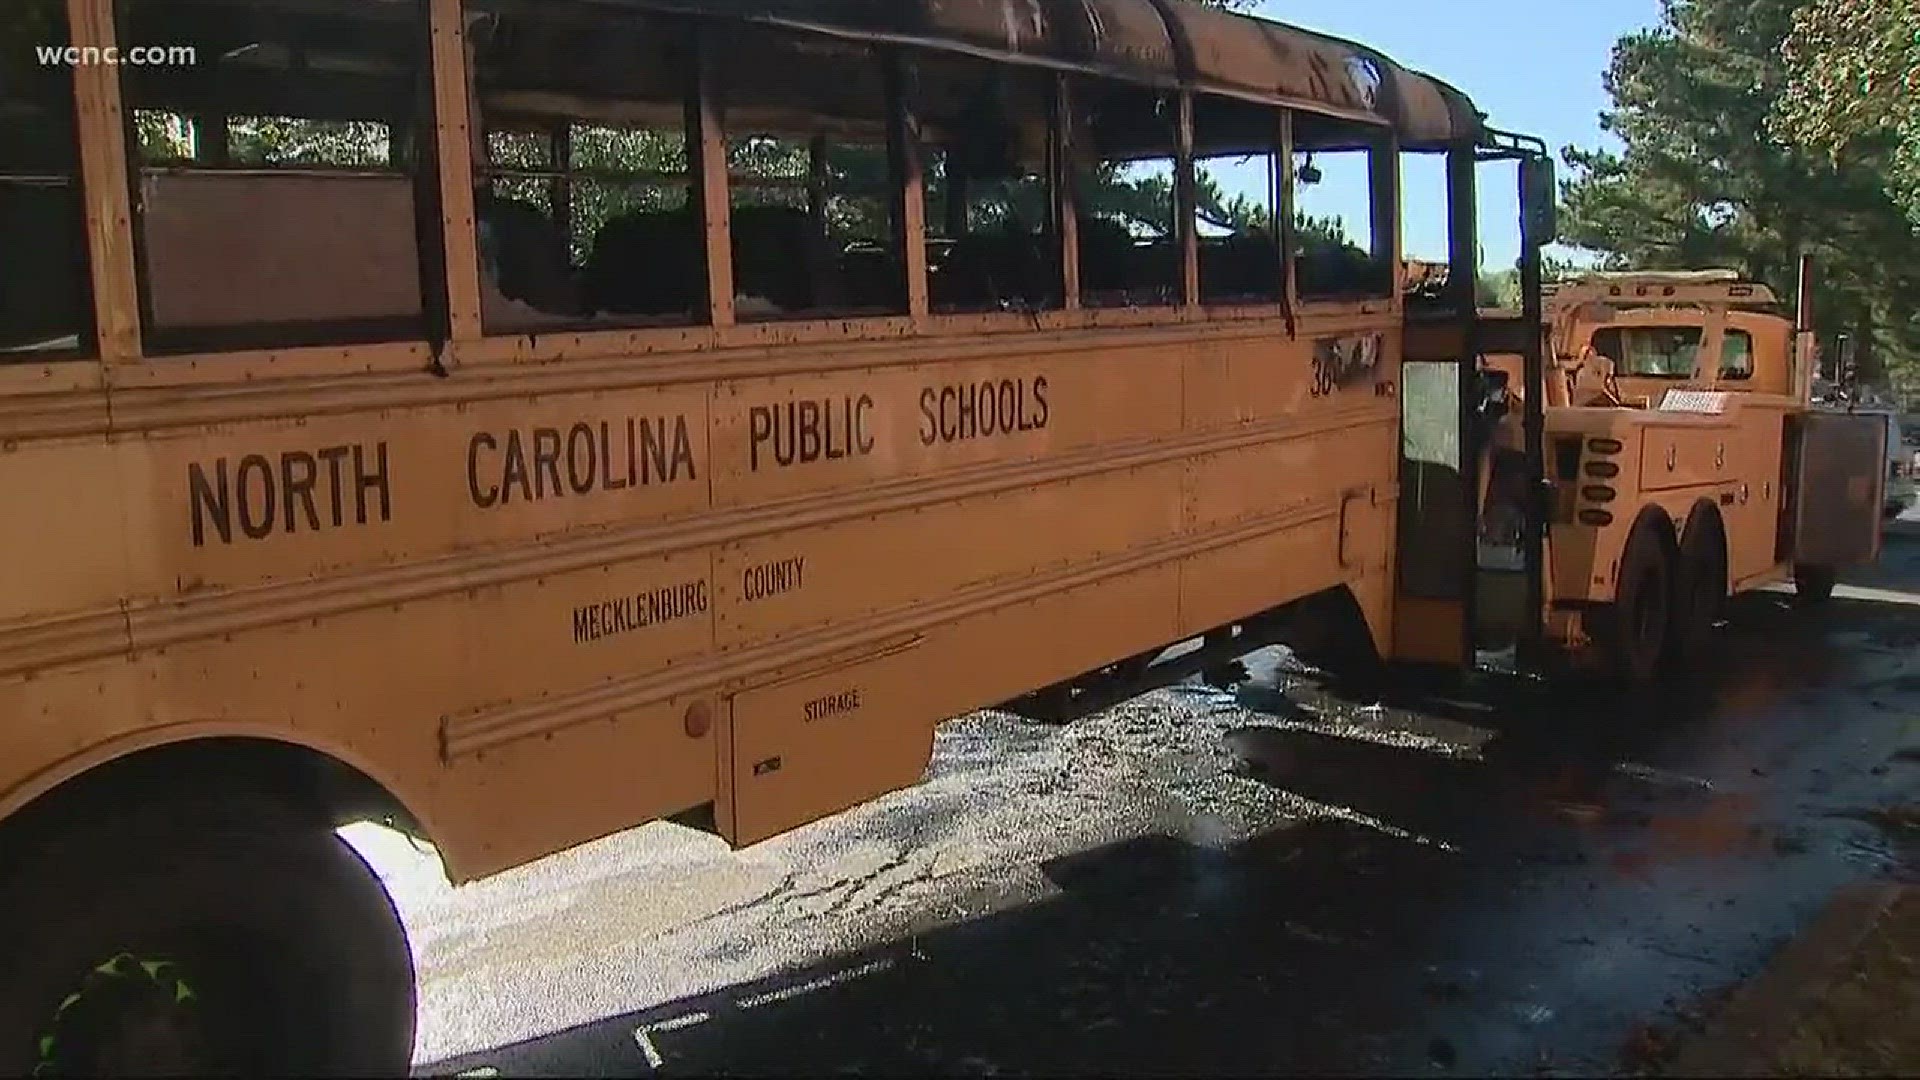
(279,500)
(827,741)
(1294,473)
(1236,380)
(792,579)
(62,497)
(1232,583)
(802,435)
(374,687)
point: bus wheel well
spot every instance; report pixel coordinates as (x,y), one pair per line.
(1328,630)
(235,770)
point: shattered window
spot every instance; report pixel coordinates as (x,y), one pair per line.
(992,237)
(1123,176)
(585,209)
(813,183)
(1237,177)
(1344,199)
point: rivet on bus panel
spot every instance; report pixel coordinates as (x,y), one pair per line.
(1604,446)
(699,720)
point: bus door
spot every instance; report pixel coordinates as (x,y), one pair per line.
(1470,564)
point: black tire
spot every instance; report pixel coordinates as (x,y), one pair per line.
(1813,584)
(294,958)
(1632,632)
(1701,592)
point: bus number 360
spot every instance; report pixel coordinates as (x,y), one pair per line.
(1324,381)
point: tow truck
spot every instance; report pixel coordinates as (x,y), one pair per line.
(1682,460)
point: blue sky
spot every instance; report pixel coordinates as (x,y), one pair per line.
(1533,66)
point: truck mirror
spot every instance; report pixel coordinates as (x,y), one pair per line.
(1539,201)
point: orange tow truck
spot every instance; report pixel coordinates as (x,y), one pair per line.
(1681,460)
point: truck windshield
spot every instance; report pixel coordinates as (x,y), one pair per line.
(1667,352)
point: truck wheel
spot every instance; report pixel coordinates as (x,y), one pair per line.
(1702,591)
(1812,584)
(154,941)
(1634,629)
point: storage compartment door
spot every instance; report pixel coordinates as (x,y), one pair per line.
(1839,463)
(822,740)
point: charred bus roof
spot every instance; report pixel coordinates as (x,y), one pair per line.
(1171,43)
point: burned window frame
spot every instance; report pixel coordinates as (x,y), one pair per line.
(1272,250)
(1179,290)
(1036,261)
(585,300)
(65,172)
(910,187)
(410,128)
(1382,269)
(834,289)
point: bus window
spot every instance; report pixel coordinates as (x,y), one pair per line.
(1237,158)
(1123,172)
(985,132)
(813,188)
(1736,355)
(1344,196)
(585,205)
(45,297)
(276,201)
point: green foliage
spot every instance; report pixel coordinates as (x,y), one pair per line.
(1853,88)
(1702,183)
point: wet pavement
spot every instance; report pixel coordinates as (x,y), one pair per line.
(1288,878)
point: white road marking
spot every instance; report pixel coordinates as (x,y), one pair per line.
(643,1038)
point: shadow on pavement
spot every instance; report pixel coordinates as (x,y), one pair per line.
(1320,946)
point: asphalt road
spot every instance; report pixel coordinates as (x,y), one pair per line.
(1289,878)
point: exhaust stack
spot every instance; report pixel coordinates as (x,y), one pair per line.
(1805,350)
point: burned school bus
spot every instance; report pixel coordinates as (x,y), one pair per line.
(517,421)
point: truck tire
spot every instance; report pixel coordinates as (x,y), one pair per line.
(1633,630)
(1702,586)
(1812,584)
(154,940)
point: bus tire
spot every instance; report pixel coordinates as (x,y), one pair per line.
(1812,584)
(1701,592)
(1633,630)
(161,941)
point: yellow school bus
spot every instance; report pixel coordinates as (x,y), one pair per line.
(517,421)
